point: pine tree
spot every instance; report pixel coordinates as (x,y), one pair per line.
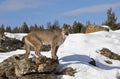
(111,19)
(8,29)
(25,28)
(53,26)
(36,27)
(76,27)
(15,30)
(2,29)
(31,28)
(41,27)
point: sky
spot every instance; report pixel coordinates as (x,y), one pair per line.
(15,12)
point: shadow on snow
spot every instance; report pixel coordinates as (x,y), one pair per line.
(83,59)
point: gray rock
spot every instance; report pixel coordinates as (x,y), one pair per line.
(10,44)
(39,76)
(13,67)
(108,53)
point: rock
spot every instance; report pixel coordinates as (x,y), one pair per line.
(92,62)
(108,53)
(13,67)
(45,47)
(94,28)
(2,73)
(67,71)
(8,66)
(118,75)
(107,61)
(39,76)
(29,65)
(10,44)
(3,49)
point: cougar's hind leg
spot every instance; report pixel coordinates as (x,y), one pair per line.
(26,55)
(38,49)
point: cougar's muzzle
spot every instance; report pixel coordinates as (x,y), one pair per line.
(66,33)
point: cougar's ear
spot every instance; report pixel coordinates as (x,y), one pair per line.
(69,27)
(65,28)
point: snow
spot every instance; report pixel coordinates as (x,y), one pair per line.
(77,51)
(15,35)
(107,27)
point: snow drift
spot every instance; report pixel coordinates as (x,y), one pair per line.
(77,51)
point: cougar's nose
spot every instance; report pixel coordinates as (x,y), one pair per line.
(67,33)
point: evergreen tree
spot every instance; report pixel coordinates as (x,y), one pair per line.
(49,25)
(76,27)
(36,27)
(31,28)
(41,27)
(25,28)
(15,30)
(2,29)
(53,26)
(111,19)
(8,29)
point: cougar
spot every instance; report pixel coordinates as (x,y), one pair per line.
(37,38)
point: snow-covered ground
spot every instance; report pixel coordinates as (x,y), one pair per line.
(77,50)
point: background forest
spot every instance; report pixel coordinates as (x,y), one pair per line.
(76,27)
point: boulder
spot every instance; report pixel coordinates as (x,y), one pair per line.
(39,76)
(10,44)
(92,62)
(108,53)
(13,67)
(68,71)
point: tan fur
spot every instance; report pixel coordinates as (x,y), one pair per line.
(36,39)
(95,28)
